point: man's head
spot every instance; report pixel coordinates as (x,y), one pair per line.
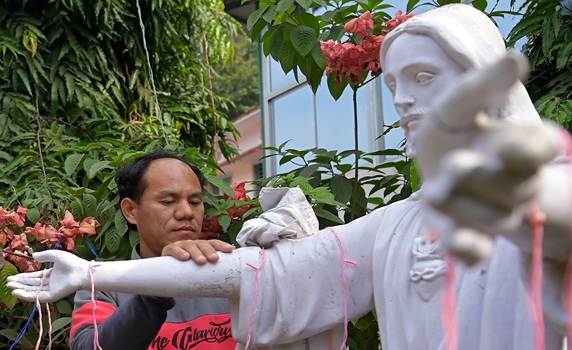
(161,196)
(456,38)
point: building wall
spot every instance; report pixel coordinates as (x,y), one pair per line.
(243,167)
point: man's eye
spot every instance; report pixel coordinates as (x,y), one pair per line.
(167,202)
(424,77)
(196,203)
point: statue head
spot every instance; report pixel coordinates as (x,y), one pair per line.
(437,47)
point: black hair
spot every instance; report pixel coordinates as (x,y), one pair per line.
(130,177)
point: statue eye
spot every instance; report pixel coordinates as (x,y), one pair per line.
(391,86)
(424,77)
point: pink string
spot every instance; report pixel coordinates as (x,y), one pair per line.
(450,305)
(96,345)
(535,276)
(344,262)
(39,307)
(255,297)
(567,141)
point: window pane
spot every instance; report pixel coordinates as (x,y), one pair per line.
(278,79)
(293,121)
(336,120)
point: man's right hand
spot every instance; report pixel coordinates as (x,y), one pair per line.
(200,251)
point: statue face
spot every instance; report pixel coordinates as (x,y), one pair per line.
(416,70)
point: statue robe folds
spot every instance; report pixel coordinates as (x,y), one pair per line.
(400,271)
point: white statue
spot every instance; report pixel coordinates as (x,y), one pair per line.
(397,263)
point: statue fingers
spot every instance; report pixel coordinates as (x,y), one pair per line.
(31,278)
(477,91)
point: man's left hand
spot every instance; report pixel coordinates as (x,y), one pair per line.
(200,251)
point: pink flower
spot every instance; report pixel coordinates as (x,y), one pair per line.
(360,25)
(396,21)
(239,192)
(19,242)
(20,216)
(88,226)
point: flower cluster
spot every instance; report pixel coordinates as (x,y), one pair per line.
(14,243)
(211,226)
(15,246)
(354,60)
(68,232)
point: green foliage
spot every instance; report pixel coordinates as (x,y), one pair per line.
(548,27)
(238,81)
(77,101)
(295,30)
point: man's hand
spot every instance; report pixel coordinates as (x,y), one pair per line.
(200,251)
(68,275)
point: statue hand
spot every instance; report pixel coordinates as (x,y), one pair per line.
(68,275)
(200,251)
(458,115)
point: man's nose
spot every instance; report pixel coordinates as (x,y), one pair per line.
(184,211)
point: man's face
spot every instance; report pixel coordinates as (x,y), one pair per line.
(170,209)
(416,70)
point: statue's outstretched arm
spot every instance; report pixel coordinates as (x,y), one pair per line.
(162,276)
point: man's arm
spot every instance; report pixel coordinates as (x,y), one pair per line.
(133,324)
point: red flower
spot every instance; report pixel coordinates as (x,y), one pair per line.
(355,61)
(397,20)
(211,228)
(360,25)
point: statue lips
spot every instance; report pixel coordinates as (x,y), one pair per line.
(410,121)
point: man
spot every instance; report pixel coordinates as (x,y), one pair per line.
(161,196)
(398,265)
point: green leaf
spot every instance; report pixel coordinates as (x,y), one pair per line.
(303,39)
(95,168)
(64,307)
(112,241)
(71,163)
(288,56)
(547,39)
(224,221)
(341,187)
(276,43)
(89,204)
(327,215)
(564,53)
(220,183)
(411,5)
(6,293)
(305,3)
(34,215)
(283,6)
(480,5)
(60,323)
(120,223)
(336,89)
(254,17)
(133,238)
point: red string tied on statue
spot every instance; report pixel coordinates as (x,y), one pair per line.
(39,307)
(92,265)
(344,262)
(255,297)
(567,292)
(537,220)
(450,305)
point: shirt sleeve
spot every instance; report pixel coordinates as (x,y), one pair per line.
(142,316)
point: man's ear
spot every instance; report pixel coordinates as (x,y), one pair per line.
(129,209)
